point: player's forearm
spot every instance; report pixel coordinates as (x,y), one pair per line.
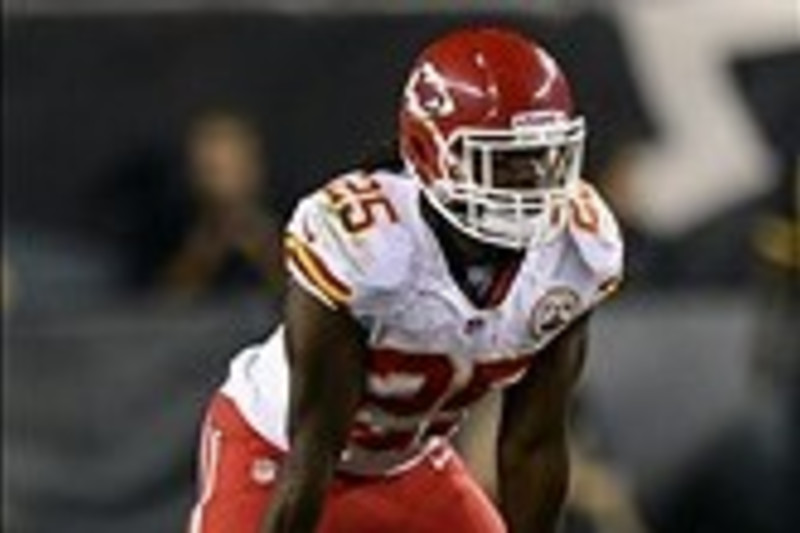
(533,485)
(295,509)
(316,440)
(299,494)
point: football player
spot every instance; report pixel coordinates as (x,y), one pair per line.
(413,294)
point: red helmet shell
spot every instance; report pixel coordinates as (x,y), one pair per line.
(484,78)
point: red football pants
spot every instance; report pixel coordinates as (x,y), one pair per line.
(237,468)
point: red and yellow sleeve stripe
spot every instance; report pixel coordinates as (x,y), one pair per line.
(311,270)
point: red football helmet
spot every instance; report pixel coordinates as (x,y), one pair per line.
(488,129)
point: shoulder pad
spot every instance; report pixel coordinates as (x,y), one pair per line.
(345,242)
(595,232)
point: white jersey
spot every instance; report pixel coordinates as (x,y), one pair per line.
(361,242)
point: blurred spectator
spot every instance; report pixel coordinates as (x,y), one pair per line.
(232,239)
(200,223)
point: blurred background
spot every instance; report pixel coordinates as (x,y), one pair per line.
(152,150)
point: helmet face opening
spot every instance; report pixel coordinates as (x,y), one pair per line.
(541,157)
(510,187)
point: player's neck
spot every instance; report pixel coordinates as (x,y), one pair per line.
(459,247)
(481,271)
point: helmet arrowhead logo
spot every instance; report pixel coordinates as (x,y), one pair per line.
(427,94)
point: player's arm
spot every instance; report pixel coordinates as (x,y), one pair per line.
(327,354)
(533,461)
